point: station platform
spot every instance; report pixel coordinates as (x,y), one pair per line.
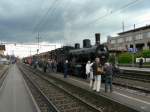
(3,68)
(135,69)
(14,96)
(131,98)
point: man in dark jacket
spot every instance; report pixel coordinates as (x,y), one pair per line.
(141,62)
(108,70)
(44,66)
(66,69)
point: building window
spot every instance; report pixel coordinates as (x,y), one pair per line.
(121,48)
(128,39)
(113,41)
(120,40)
(148,35)
(138,37)
(131,46)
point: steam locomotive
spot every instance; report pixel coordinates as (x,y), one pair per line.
(78,57)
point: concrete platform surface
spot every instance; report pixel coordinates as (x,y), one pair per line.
(14,96)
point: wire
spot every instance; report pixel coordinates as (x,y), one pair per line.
(112,12)
(46,18)
(36,28)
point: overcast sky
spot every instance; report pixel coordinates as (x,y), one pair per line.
(68,21)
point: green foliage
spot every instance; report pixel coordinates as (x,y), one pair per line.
(138,55)
(112,59)
(125,58)
(146,53)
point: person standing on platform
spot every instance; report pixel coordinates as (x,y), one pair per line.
(49,65)
(89,72)
(108,71)
(87,68)
(141,62)
(97,71)
(55,66)
(44,66)
(66,65)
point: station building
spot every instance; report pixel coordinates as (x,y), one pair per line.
(136,38)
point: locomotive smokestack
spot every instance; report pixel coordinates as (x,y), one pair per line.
(77,46)
(86,43)
(97,38)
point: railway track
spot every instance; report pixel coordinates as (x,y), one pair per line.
(135,75)
(43,102)
(132,87)
(127,77)
(56,97)
(3,75)
(83,97)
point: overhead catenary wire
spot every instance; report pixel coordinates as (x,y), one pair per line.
(44,23)
(112,12)
(36,28)
(52,9)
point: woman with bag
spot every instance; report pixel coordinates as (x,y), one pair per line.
(97,71)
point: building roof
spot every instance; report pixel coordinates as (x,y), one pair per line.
(135,30)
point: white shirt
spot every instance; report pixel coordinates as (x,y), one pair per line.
(88,67)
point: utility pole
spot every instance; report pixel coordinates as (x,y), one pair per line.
(123,26)
(30,51)
(38,42)
(134,47)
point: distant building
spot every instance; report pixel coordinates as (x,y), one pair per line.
(2,49)
(137,38)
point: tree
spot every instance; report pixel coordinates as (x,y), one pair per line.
(125,58)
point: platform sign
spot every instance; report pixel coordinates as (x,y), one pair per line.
(2,47)
(133,50)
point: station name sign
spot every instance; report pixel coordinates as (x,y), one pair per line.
(2,47)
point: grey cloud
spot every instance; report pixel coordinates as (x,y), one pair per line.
(68,19)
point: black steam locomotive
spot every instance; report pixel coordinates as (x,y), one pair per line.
(78,57)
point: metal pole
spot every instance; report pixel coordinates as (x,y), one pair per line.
(133,64)
(38,41)
(123,26)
